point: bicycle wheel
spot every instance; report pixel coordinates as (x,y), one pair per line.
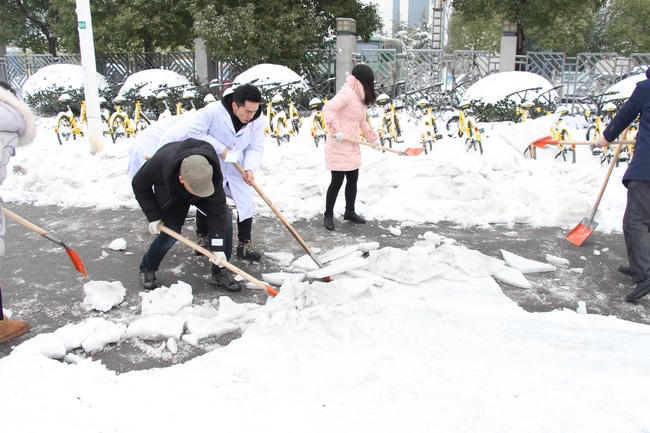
(117,127)
(106,130)
(319,138)
(473,138)
(398,129)
(140,125)
(631,135)
(453,127)
(566,136)
(386,141)
(64,129)
(427,144)
(145,119)
(295,126)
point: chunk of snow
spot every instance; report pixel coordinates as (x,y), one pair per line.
(103,295)
(395,231)
(472,262)
(337,267)
(164,300)
(278,278)
(47,344)
(512,276)
(556,260)
(104,332)
(156,327)
(402,266)
(283,259)
(337,253)
(118,244)
(526,266)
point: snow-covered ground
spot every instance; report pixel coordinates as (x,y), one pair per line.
(417,340)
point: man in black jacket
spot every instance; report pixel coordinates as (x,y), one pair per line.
(178,175)
(636,179)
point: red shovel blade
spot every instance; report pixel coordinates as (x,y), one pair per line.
(414,151)
(543,142)
(582,231)
(76,260)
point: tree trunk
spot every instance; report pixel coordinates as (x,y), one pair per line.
(52,46)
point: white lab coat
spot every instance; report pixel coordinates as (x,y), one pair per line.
(214,125)
(154,136)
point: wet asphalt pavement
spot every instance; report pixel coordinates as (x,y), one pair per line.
(41,286)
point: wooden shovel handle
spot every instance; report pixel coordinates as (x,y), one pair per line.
(284,221)
(22,221)
(211,255)
(607,176)
(374,146)
(577,142)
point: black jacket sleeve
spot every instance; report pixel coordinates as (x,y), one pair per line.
(149,188)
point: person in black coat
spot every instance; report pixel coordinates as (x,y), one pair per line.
(178,175)
(636,220)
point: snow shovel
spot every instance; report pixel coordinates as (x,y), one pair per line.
(586,227)
(211,255)
(279,214)
(76,260)
(410,151)
(550,140)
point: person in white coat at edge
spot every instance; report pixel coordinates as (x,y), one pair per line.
(345,115)
(17,128)
(233,124)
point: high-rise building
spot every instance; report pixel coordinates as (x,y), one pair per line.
(411,12)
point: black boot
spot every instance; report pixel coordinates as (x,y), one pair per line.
(625,270)
(328,221)
(245,251)
(351,215)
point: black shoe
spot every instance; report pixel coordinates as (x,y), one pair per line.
(227,281)
(642,289)
(625,270)
(351,215)
(245,251)
(204,242)
(328,221)
(148,279)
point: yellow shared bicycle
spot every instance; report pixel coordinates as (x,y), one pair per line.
(121,124)
(70,126)
(464,125)
(317,124)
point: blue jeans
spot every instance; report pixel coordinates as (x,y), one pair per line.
(636,228)
(163,243)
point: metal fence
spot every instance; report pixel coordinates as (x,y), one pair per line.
(116,67)
(400,73)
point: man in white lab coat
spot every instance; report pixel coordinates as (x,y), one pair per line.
(234,125)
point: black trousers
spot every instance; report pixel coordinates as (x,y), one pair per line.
(244,229)
(636,228)
(335,186)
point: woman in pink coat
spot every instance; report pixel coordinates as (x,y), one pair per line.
(345,115)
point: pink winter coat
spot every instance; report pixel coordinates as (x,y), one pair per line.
(346,113)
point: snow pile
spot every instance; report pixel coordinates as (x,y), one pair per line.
(53,77)
(168,313)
